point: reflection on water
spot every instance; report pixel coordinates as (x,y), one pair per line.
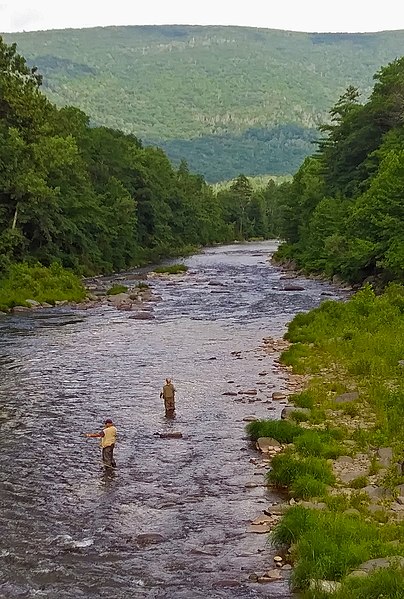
(171,521)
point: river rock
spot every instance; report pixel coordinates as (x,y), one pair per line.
(259,528)
(325,586)
(32,303)
(142,316)
(265,444)
(232,393)
(287,412)
(278,396)
(171,435)
(18,309)
(293,288)
(347,397)
(273,574)
(375,492)
(248,392)
(150,538)
(381,562)
(385,455)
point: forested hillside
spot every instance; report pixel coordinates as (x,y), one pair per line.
(229,99)
(343,213)
(94,199)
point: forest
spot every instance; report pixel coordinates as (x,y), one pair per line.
(95,200)
(343,212)
(253,97)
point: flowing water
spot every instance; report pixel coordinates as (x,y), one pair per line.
(68,529)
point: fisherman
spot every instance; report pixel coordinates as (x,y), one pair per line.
(108,439)
(168,394)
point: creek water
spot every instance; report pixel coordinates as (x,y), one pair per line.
(68,529)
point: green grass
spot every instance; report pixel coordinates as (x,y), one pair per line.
(173,269)
(116,289)
(359,482)
(328,545)
(318,443)
(386,583)
(23,281)
(306,487)
(287,468)
(281,430)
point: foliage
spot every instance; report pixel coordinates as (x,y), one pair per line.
(287,468)
(22,282)
(92,198)
(281,430)
(327,545)
(172,269)
(115,289)
(343,212)
(245,95)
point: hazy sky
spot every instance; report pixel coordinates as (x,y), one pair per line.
(295,15)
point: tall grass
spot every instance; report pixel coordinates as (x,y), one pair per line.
(328,545)
(281,430)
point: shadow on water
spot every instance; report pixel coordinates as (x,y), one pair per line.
(171,521)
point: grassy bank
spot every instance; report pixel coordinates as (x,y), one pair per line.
(344,451)
(24,282)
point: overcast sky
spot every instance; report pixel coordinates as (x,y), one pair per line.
(295,15)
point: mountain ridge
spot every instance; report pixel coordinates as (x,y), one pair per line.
(228,99)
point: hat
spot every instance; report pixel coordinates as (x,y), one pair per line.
(108,421)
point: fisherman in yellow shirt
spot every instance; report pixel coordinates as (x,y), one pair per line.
(108,439)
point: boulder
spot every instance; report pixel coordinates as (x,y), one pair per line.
(381,562)
(347,397)
(287,412)
(375,492)
(248,392)
(232,393)
(265,444)
(385,455)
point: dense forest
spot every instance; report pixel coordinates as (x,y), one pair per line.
(253,97)
(343,213)
(94,199)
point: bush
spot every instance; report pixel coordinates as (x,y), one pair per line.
(40,283)
(281,430)
(115,289)
(174,269)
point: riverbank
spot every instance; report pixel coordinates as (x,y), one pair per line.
(342,454)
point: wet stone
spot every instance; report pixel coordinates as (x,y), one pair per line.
(150,538)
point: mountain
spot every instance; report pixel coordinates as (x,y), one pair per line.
(228,99)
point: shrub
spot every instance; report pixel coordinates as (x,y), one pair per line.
(115,289)
(40,283)
(281,430)
(173,269)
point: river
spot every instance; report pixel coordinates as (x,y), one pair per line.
(70,530)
